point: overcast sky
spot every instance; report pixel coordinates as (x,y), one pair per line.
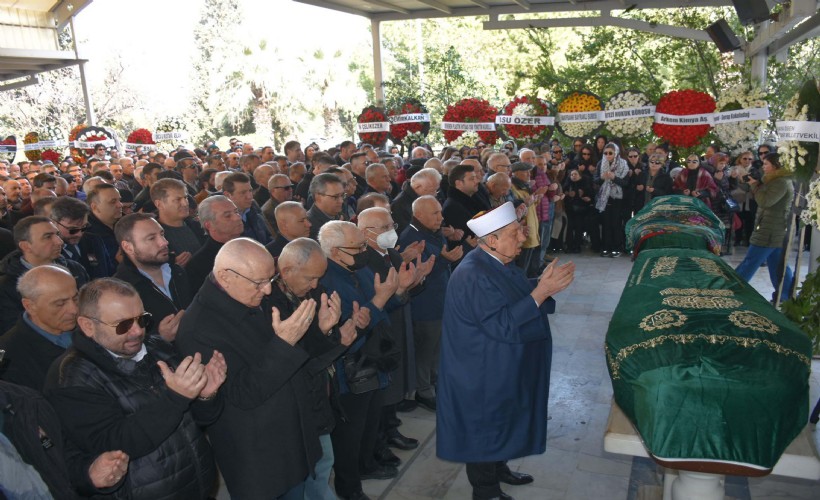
(157,35)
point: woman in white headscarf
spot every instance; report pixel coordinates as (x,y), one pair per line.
(613,173)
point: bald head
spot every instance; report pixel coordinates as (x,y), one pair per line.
(39,279)
(50,298)
(373,217)
(499,185)
(433,163)
(240,253)
(243,268)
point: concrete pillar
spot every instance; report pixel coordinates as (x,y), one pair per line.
(378,78)
(90,118)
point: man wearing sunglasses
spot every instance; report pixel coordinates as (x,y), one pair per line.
(71,217)
(281,190)
(114,389)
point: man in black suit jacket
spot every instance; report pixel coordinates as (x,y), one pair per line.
(44,331)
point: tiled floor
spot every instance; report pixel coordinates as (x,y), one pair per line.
(574,467)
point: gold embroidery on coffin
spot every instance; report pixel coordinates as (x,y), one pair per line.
(698,291)
(643,270)
(709,266)
(616,361)
(699,302)
(753,321)
(664,266)
(665,318)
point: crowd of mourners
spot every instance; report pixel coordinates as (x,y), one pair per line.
(269,316)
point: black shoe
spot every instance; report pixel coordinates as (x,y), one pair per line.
(393,421)
(402,442)
(429,403)
(514,478)
(615,254)
(387,458)
(406,405)
(605,254)
(503,496)
(381,472)
(359,495)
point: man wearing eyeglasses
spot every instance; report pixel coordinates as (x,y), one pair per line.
(114,389)
(71,217)
(328,192)
(266,441)
(281,190)
(38,244)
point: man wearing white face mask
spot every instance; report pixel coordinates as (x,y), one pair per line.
(378,227)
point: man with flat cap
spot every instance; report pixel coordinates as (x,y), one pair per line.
(496,350)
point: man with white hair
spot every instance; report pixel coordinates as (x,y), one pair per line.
(222,222)
(424,182)
(419,152)
(280,190)
(265,441)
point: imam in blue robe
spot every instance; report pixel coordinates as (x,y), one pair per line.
(494,376)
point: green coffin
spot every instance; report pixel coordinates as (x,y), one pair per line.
(704,367)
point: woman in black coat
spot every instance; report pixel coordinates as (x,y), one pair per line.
(651,183)
(579,195)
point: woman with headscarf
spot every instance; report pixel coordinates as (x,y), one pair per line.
(613,173)
(651,183)
(696,181)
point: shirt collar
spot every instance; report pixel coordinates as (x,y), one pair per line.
(136,357)
(62,339)
(166,277)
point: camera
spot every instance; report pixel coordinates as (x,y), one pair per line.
(755,174)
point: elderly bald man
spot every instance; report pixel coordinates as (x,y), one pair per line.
(279,189)
(44,331)
(266,441)
(292,222)
(424,182)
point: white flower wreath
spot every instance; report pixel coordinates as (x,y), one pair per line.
(811,214)
(740,136)
(629,127)
(791,152)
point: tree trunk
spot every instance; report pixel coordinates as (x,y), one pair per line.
(262,121)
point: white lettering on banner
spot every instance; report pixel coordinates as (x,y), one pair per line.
(373,127)
(472,126)
(8,149)
(742,115)
(90,145)
(686,120)
(409,118)
(534,121)
(586,116)
(130,146)
(798,131)
(34,146)
(170,136)
(59,143)
(626,113)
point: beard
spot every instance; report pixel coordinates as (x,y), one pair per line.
(151,260)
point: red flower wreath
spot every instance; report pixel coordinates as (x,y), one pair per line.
(77,154)
(372,114)
(528,133)
(53,156)
(683,102)
(11,143)
(471,110)
(399,131)
(140,136)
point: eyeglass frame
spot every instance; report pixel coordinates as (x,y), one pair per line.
(386,228)
(149,318)
(340,196)
(73,230)
(260,285)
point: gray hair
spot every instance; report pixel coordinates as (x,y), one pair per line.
(430,174)
(332,234)
(370,172)
(219,178)
(205,211)
(274,178)
(369,213)
(298,252)
(420,200)
(32,283)
(320,182)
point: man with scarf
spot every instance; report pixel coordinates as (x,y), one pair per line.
(613,174)
(496,350)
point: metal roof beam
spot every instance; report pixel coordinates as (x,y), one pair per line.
(394,8)
(524,4)
(325,4)
(481,4)
(33,80)
(437,5)
(773,31)
(65,9)
(810,28)
(604,20)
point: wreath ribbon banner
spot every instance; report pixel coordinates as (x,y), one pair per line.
(627,113)
(409,118)
(741,115)
(798,131)
(469,126)
(684,120)
(584,116)
(534,121)
(130,146)
(8,148)
(169,136)
(92,144)
(368,127)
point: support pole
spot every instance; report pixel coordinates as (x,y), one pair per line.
(90,119)
(378,78)
(760,61)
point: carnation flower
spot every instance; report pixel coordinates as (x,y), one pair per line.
(682,103)
(400,131)
(811,214)
(579,102)
(471,110)
(469,138)
(32,138)
(372,114)
(10,144)
(793,153)
(629,127)
(527,106)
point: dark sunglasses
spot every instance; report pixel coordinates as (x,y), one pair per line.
(144,320)
(289,186)
(74,230)
(633,156)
